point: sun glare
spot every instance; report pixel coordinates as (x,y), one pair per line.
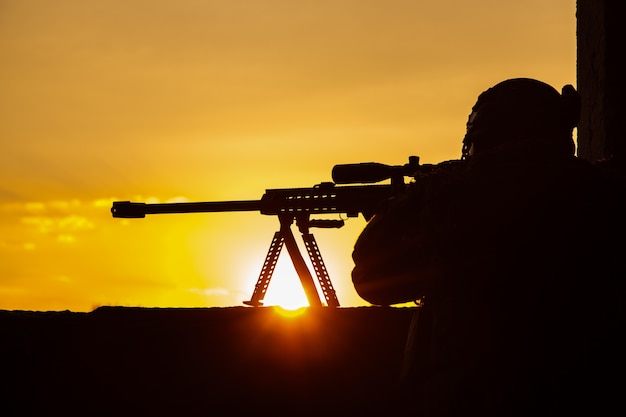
(289,313)
(285,290)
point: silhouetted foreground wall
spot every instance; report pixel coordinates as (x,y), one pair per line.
(600,69)
(215,361)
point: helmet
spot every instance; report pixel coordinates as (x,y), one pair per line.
(523,109)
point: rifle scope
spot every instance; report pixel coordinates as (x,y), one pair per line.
(371,172)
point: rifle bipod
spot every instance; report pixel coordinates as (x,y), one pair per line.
(285,236)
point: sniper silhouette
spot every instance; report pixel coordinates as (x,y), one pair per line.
(515,252)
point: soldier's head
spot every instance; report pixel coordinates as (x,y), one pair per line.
(523,109)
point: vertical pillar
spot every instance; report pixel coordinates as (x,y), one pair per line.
(600,37)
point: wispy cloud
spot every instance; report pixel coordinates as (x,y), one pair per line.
(51,224)
(62,220)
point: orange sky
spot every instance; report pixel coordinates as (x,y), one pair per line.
(219,100)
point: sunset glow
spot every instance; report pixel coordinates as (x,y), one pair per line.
(220,100)
(285,289)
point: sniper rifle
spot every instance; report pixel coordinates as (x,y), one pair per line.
(298,204)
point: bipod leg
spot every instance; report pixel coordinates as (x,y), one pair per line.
(320,270)
(298,262)
(267,271)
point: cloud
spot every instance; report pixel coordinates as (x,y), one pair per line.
(23,224)
(63,220)
(41,206)
(103,202)
(211,291)
(35,206)
(220,296)
(50,225)
(66,238)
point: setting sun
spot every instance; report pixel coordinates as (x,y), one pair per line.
(214,101)
(285,289)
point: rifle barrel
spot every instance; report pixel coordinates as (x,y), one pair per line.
(128,209)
